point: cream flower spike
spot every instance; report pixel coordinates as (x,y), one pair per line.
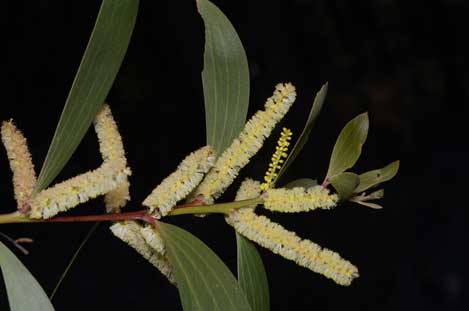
(288,245)
(248,143)
(181,182)
(24,176)
(299,199)
(112,150)
(79,189)
(130,233)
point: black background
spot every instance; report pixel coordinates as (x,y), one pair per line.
(403,61)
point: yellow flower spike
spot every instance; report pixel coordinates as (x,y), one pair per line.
(112,150)
(79,189)
(288,245)
(181,182)
(248,143)
(130,233)
(277,158)
(24,176)
(299,199)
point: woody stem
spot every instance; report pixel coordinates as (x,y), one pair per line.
(143,215)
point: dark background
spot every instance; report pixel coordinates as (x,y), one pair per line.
(403,61)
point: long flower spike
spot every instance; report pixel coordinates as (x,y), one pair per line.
(24,176)
(112,150)
(287,244)
(248,143)
(299,199)
(181,182)
(130,233)
(79,189)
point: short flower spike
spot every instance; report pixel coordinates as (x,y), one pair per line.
(181,182)
(277,158)
(249,189)
(299,199)
(21,164)
(248,143)
(130,233)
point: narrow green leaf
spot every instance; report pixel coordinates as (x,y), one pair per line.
(302,182)
(24,292)
(203,280)
(375,177)
(251,275)
(98,69)
(301,141)
(345,184)
(225,78)
(348,146)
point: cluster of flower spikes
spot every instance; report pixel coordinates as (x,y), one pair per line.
(287,244)
(110,179)
(146,239)
(196,176)
(273,236)
(245,221)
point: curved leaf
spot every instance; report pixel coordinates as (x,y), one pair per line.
(300,143)
(225,78)
(302,182)
(345,184)
(348,146)
(373,178)
(251,275)
(203,280)
(24,292)
(98,69)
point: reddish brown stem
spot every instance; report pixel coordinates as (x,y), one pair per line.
(138,215)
